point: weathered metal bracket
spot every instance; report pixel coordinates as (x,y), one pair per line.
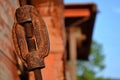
(30,37)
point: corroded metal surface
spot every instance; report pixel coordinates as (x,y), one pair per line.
(30,37)
(23,2)
(37,74)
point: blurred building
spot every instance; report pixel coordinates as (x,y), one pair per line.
(79,23)
(70,30)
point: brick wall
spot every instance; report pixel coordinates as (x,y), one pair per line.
(8,69)
(52,13)
(54,62)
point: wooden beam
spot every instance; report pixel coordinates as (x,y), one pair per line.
(73,52)
(77,13)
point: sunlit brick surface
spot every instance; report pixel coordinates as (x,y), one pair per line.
(8,69)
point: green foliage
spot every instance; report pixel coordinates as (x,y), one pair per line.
(87,70)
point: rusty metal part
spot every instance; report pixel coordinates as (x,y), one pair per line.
(30,38)
(30,28)
(37,74)
(22,2)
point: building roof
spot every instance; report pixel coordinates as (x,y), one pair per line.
(83,16)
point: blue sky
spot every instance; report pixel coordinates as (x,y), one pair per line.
(107,33)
